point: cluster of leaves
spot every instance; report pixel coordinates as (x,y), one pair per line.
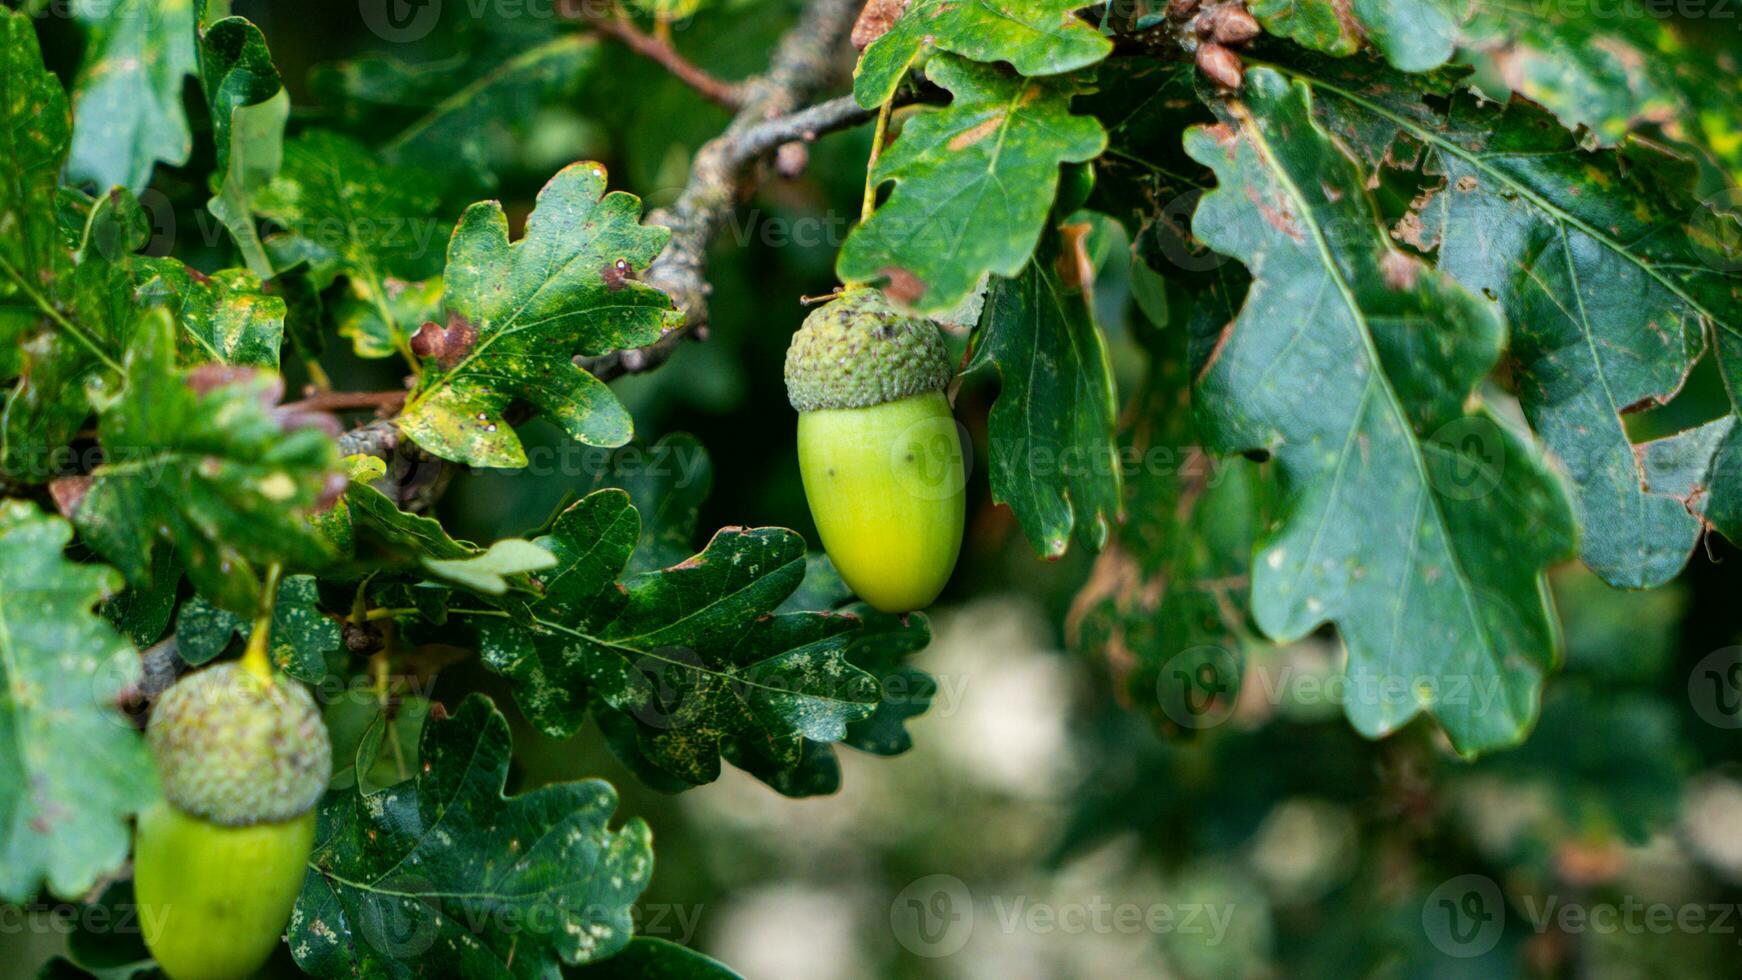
(1478,243)
(143,403)
(1426,267)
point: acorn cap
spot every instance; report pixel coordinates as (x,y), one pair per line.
(857,351)
(238,751)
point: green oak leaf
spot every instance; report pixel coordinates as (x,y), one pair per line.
(694,654)
(648,958)
(1163,607)
(1038,37)
(249,108)
(1596,263)
(1053,455)
(196,460)
(391,536)
(1408,515)
(461,137)
(62,670)
(473,883)
(973,184)
(517,314)
(302,635)
(127,98)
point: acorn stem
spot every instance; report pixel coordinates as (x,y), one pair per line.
(255,658)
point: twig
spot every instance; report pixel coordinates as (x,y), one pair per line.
(804,62)
(659,50)
(347,401)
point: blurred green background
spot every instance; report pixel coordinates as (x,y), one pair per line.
(1039,829)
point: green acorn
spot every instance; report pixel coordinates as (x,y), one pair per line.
(877,447)
(217,864)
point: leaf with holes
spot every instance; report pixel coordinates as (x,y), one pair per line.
(1598,264)
(1417,523)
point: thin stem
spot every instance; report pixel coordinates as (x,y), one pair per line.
(317,375)
(877,138)
(66,326)
(657,48)
(347,401)
(380,613)
(256,658)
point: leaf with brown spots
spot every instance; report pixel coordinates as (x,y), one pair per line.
(973,183)
(72,768)
(1408,515)
(1038,37)
(535,304)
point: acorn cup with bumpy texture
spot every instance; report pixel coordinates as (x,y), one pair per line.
(878,448)
(218,862)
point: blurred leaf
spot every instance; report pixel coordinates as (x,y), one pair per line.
(375,327)
(372,751)
(34,131)
(143,614)
(1610,296)
(225,318)
(1051,443)
(1322,25)
(1038,37)
(62,669)
(973,183)
(249,109)
(647,958)
(518,313)
(667,483)
(491,572)
(461,136)
(465,879)
(1612,72)
(110,940)
(212,473)
(1419,526)
(128,94)
(302,635)
(1165,604)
